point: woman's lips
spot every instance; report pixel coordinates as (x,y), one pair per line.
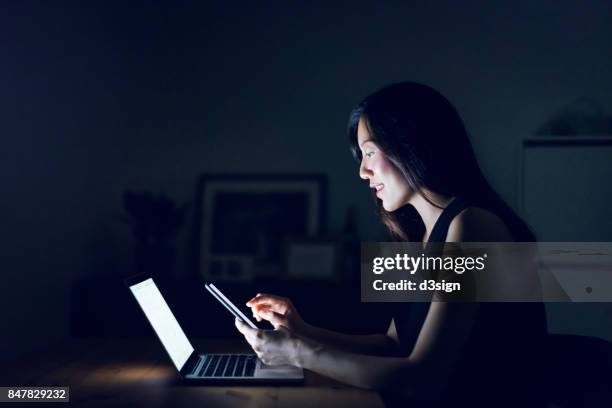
(379,188)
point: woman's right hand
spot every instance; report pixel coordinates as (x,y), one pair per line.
(279,311)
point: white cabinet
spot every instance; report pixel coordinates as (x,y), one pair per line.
(566,195)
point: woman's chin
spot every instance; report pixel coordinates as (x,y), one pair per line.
(389,207)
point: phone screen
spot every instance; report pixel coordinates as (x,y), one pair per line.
(213,290)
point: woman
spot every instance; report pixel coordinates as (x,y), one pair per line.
(416,157)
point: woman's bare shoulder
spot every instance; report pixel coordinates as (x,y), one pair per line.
(475,224)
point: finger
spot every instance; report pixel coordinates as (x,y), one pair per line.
(249,333)
(239,325)
(275,318)
(265,297)
(278,307)
(255,313)
(269,299)
(259,309)
(247,303)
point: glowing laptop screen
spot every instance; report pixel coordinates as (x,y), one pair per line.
(163,321)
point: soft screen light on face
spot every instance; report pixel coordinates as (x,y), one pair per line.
(163,321)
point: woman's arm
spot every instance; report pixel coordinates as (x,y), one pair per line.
(420,375)
(440,341)
(279,311)
(380,344)
(365,371)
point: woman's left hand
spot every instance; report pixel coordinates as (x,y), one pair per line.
(273,347)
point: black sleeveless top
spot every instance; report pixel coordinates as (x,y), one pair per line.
(500,361)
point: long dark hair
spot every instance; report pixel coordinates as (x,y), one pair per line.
(421,133)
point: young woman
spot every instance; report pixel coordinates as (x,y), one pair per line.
(416,157)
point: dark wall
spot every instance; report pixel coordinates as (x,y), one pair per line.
(100,98)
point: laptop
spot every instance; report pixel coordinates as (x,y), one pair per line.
(210,367)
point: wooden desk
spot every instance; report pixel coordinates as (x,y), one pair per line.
(130,372)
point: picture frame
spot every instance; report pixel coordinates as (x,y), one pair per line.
(243,220)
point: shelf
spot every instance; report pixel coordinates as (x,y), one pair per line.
(574,140)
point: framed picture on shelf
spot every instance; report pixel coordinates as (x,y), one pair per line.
(243,221)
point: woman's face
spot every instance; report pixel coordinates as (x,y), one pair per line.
(390,185)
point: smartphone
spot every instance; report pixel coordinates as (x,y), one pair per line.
(228,304)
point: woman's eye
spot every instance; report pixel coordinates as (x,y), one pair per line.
(369,154)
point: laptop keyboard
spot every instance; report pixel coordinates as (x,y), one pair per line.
(227,365)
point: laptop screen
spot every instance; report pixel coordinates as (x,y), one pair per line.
(163,321)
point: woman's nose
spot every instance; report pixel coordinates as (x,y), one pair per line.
(364,171)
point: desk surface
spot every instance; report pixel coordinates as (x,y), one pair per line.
(126,372)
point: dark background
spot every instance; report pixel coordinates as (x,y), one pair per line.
(99,98)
